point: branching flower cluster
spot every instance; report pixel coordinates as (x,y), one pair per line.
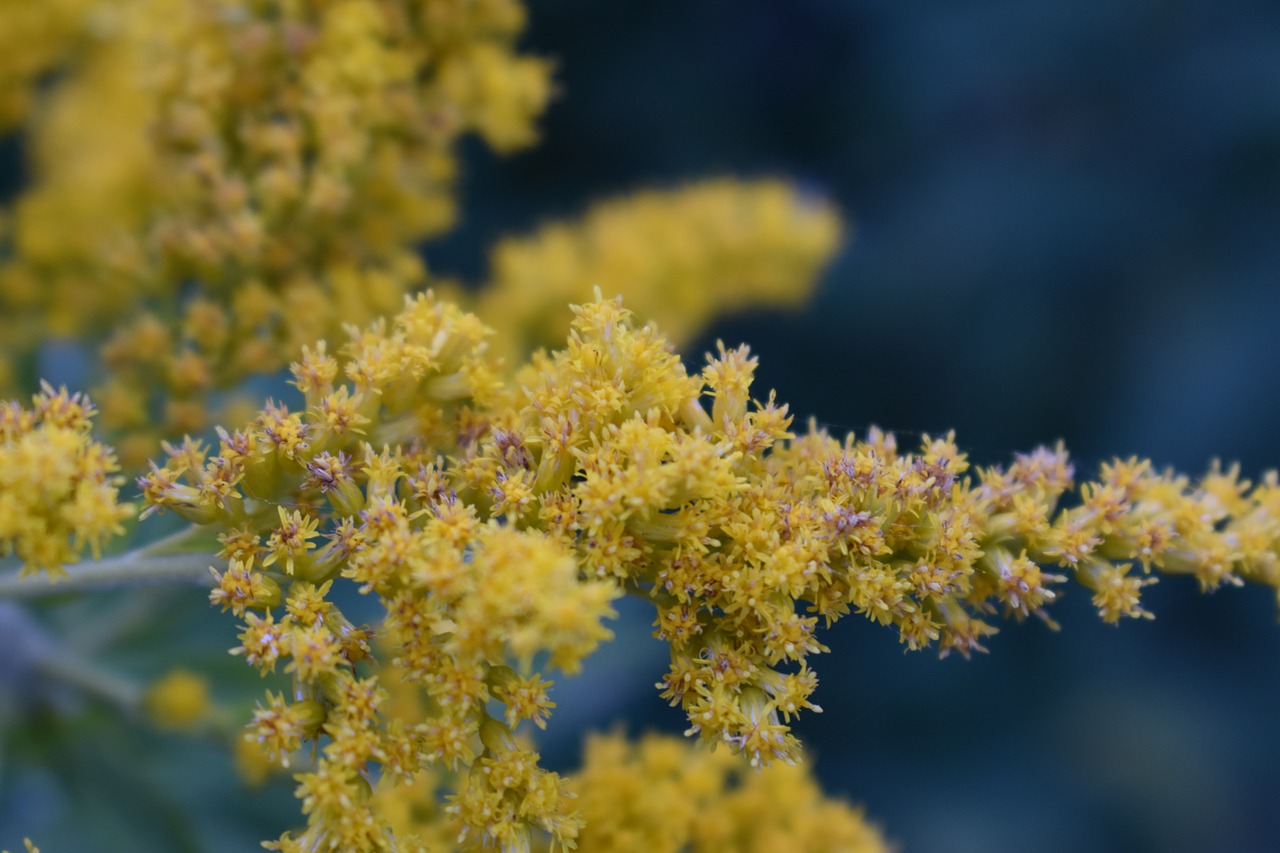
(495,521)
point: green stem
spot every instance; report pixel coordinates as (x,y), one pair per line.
(126,570)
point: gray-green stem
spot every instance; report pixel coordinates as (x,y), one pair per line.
(129,569)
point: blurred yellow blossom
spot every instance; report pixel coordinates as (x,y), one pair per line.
(678,257)
(179,699)
(58,488)
(261,174)
(284,158)
(36,37)
(658,795)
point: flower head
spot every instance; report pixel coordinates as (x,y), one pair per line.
(59,494)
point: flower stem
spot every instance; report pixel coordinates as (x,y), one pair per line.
(129,569)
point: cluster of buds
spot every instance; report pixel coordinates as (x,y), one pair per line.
(495,520)
(59,493)
(677,257)
(286,158)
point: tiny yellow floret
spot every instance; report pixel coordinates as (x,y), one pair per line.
(178,700)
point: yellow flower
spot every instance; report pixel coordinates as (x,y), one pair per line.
(284,158)
(659,795)
(179,700)
(678,257)
(507,510)
(58,489)
(290,543)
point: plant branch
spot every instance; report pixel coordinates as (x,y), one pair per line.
(129,569)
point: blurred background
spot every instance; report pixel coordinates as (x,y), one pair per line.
(1065,225)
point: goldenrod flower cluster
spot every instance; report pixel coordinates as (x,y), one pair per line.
(178,700)
(286,157)
(496,520)
(36,37)
(678,258)
(216,184)
(59,494)
(74,254)
(305,499)
(655,796)
(258,175)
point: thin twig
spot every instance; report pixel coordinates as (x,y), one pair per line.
(125,570)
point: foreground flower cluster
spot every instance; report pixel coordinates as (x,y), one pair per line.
(496,520)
